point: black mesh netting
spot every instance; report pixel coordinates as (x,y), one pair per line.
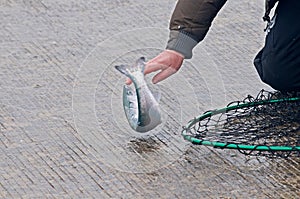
(270,119)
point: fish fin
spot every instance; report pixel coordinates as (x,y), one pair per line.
(155,115)
(128,70)
(140,64)
(157,96)
(124,70)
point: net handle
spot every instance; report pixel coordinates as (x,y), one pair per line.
(241,146)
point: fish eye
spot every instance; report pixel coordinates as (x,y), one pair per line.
(129,93)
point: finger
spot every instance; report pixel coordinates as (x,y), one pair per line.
(153,67)
(157,59)
(128,81)
(148,69)
(163,75)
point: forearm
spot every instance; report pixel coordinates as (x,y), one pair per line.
(190,22)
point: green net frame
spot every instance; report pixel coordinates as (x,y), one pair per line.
(251,133)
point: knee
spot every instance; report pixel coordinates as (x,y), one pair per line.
(279,77)
(276,73)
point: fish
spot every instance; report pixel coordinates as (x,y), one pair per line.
(140,105)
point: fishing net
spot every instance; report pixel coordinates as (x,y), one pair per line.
(266,125)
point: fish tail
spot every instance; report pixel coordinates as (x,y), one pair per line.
(140,64)
(128,70)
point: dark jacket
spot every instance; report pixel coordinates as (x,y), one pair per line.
(191,20)
(278,63)
(269,4)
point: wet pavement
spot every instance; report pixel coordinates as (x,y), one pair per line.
(63,133)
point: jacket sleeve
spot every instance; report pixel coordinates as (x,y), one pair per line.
(190,22)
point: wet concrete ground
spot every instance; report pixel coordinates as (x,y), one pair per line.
(63,132)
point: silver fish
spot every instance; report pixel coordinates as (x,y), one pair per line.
(140,106)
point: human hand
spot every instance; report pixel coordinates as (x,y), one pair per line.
(168,62)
